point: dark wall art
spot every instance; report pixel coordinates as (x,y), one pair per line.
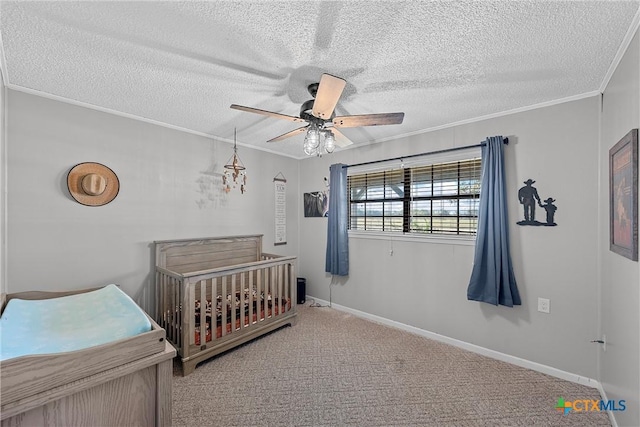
(623,196)
(316,204)
(529,198)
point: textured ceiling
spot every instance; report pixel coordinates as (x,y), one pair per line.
(184,63)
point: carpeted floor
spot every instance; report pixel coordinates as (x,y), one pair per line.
(335,369)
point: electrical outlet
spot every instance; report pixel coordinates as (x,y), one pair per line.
(543,305)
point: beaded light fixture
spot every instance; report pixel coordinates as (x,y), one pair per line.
(234,171)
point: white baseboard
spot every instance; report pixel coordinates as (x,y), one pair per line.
(612,418)
(568,376)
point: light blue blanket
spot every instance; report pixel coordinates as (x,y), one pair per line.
(69,323)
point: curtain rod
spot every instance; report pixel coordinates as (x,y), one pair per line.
(504,140)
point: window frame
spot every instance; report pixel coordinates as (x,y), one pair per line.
(415,164)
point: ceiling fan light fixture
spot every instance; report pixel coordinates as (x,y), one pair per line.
(309,151)
(313,137)
(329,142)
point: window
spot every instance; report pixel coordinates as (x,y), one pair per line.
(439,198)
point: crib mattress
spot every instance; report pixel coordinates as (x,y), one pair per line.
(75,322)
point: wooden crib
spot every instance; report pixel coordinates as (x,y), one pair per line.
(213,294)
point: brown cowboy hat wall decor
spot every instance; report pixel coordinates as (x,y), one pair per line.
(92,184)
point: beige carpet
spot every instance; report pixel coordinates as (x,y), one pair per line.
(334,369)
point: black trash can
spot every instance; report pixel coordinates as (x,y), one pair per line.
(302,289)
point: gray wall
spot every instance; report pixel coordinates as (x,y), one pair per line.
(620,277)
(169,188)
(424,283)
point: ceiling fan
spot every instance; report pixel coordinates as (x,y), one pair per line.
(320,117)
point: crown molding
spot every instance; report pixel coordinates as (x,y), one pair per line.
(230,141)
(139,118)
(626,41)
(487,117)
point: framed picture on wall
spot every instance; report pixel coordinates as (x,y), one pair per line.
(623,196)
(316,204)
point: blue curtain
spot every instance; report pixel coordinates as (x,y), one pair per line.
(337,261)
(492,279)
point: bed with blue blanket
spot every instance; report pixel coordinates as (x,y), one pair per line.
(78,356)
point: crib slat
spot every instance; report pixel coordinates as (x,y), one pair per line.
(172,303)
(179,285)
(165,304)
(234,306)
(285,284)
(214,308)
(161,311)
(170,311)
(272,288)
(293,284)
(281,276)
(188,317)
(265,286)
(243,295)
(223,322)
(203,313)
(172,306)
(274,298)
(169,308)
(259,295)
(269,275)
(289,297)
(175,312)
(267,292)
(251,298)
(274,278)
(157,284)
(211,292)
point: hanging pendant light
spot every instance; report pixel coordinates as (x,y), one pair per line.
(234,171)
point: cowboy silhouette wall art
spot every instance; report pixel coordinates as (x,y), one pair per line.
(551,210)
(528,196)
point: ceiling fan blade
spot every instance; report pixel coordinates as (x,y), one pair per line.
(289,134)
(266,113)
(341,140)
(369,120)
(329,92)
